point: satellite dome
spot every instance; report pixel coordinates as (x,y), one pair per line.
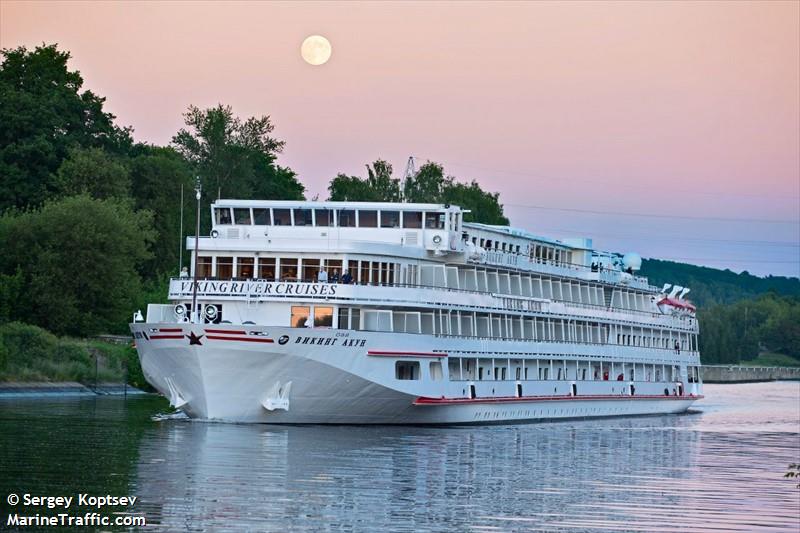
(632,261)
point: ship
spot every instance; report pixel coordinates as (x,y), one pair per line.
(322,312)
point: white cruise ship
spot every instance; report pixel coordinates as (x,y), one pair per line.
(384,313)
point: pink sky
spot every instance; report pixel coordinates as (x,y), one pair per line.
(681,108)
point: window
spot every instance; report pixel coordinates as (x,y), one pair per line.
(310,269)
(282,217)
(300,315)
(288,269)
(242,215)
(224,267)
(203,267)
(434,220)
(367,219)
(412,219)
(390,219)
(222,215)
(406,370)
(261,217)
(324,217)
(436,370)
(244,267)
(347,218)
(302,217)
(323,317)
(266,268)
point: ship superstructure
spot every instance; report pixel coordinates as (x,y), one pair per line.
(350,312)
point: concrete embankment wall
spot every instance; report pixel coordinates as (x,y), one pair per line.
(744,374)
(67,388)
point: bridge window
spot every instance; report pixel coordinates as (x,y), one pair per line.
(203,267)
(262,217)
(434,220)
(390,219)
(347,218)
(302,217)
(242,215)
(224,267)
(222,215)
(406,370)
(288,269)
(300,314)
(266,268)
(324,217)
(412,219)
(244,267)
(367,219)
(282,217)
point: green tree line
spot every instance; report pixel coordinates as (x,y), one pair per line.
(90,218)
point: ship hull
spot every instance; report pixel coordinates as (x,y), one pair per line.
(319,376)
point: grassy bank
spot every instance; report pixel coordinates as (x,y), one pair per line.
(29,353)
(771,359)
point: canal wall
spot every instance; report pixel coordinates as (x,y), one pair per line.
(16,389)
(748,374)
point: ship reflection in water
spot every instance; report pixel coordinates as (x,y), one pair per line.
(719,469)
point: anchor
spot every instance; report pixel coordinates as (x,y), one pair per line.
(175,399)
(277,397)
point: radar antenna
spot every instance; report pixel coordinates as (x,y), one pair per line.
(411,170)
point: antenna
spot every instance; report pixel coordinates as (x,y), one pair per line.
(411,170)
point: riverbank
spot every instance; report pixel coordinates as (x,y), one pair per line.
(748,374)
(21,389)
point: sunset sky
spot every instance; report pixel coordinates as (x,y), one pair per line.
(579,114)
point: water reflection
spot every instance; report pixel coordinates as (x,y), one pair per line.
(717,469)
(648,474)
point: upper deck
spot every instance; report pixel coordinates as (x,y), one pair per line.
(413,231)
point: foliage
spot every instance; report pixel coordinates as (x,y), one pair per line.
(94,172)
(157,175)
(30,353)
(427,185)
(737,332)
(78,257)
(230,154)
(43,114)
(772,359)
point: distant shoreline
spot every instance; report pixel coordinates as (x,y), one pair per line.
(18,389)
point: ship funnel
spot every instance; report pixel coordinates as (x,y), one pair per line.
(674,291)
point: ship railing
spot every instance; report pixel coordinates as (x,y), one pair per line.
(535,301)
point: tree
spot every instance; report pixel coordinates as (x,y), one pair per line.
(95,172)
(233,156)
(427,185)
(79,258)
(380,180)
(43,114)
(351,188)
(484,206)
(157,175)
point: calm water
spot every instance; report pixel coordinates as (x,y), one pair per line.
(719,468)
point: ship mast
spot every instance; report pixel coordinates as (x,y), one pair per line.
(194,314)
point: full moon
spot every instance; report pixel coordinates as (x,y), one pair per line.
(316,50)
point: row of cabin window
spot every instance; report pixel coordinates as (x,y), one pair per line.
(383,273)
(499,326)
(297,269)
(477,369)
(480,369)
(343,218)
(536,253)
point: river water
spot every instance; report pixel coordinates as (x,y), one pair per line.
(718,468)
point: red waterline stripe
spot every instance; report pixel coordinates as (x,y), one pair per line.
(422,400)
(243,339)
(166,336)
(382,353)
(227,331)
(170,330)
